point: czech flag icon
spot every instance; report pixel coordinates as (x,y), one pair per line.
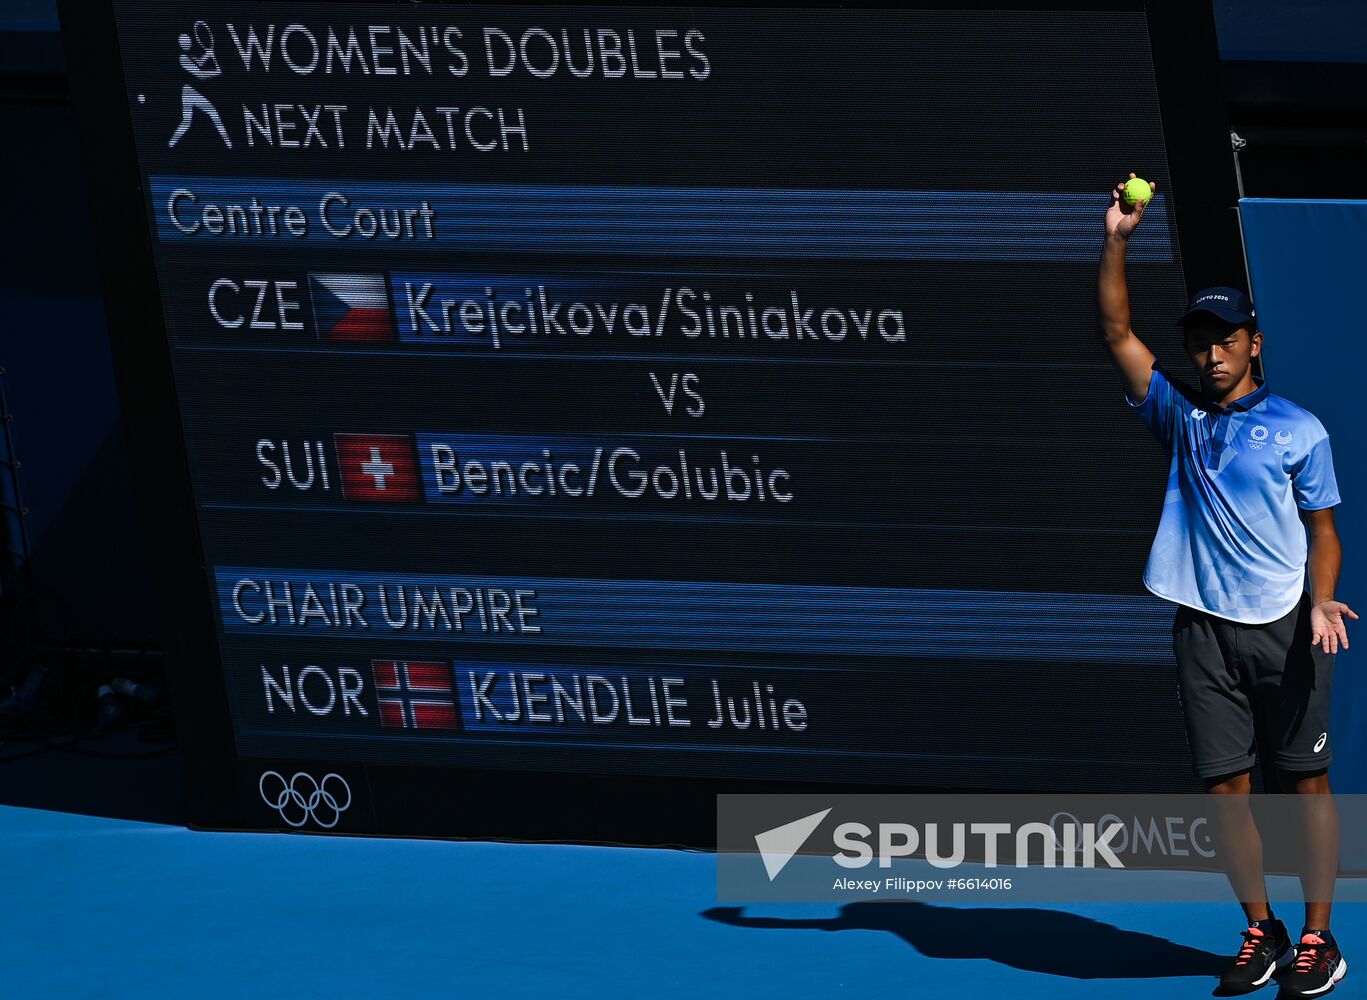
(353,307)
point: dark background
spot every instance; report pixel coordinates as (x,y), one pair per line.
(993,471)
(1299,103)
(1295,76)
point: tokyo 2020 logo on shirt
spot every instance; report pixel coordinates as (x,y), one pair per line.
(1257,439)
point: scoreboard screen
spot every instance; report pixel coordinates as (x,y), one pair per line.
(702,392)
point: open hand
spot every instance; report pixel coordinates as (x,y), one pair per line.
(1327,627)
(1122,217)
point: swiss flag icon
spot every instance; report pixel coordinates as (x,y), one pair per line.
(378,467)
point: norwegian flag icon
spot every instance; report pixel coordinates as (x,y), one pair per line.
(415,694)
(377,467)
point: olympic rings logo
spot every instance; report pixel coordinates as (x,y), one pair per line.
(303,798)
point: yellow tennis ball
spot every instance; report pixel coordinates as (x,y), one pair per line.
(1137,189)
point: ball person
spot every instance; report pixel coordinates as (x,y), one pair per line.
(1251,476)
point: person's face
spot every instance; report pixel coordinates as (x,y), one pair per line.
(1222,352)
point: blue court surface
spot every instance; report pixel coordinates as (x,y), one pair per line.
(112,909)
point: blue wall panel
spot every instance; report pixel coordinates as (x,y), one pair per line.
(1308,263)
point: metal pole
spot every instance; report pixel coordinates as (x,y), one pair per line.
(1237,143)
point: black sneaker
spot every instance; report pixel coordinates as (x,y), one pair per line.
(1319,965)
(1266,949)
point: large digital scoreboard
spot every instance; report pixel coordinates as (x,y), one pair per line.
(627,402)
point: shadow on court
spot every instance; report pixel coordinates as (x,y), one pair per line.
(1032,940)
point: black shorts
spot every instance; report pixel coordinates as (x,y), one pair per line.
(1245,688)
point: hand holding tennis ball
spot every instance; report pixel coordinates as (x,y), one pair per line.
(1128,201)
(1136,190)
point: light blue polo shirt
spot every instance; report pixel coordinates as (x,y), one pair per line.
(1230,540)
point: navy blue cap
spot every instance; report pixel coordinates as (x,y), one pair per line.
(1228,304)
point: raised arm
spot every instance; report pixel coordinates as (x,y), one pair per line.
(1134,360)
